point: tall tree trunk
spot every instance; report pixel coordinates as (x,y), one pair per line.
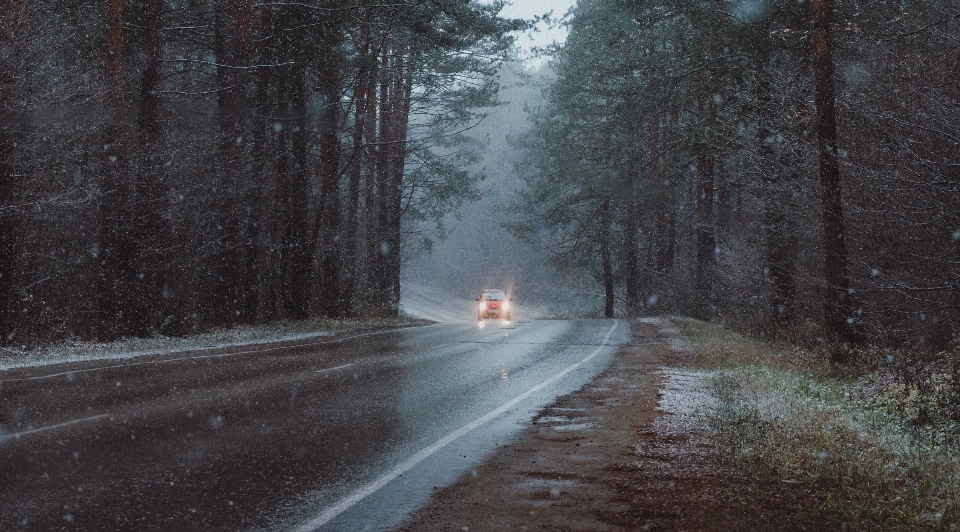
(396,78)
(606,261)
(258,303)
(300,249)
(9,215)
(367,245)
(329,211)
(395,239)
(152,232)
(706,180)
(351,273)
(226,293)
(247,185)
(836,309)
(661,244)
(631,237)
(377,245)
(706,242)
(779,233)
(281,212)
(116,253)
(286,175)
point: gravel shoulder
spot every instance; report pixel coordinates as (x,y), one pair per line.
(622,453)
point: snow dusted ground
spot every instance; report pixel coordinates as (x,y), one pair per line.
(685,393)
(671,334)
(684,397)
(81,350)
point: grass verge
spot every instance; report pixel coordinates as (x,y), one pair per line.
(785,414)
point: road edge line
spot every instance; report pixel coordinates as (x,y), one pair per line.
(345,504)
(17,435)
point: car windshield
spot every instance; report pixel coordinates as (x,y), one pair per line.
(494,296)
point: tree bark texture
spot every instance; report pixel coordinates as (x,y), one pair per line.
(329,211)
(402,91)
(395,99)
(9,215)
(632,240)
(606,261)
(368,245)
(662,243)
(256,267)
(248,186)
(836,310)
(299,246)
(227,296)
(352,227)
(116,276)
(378,215)
(779,231)
(280,214)
(151,229)
(706,241)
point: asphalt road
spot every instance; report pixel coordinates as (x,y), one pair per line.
(327,435)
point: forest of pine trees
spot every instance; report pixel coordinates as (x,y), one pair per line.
(168,166)
(792,168)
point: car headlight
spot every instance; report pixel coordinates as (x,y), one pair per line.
(483,305)
(506,305)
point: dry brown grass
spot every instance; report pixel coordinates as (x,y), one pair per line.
(785,414)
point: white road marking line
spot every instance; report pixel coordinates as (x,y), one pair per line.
(334,369)
(17,435)
(200,357)
(332,512)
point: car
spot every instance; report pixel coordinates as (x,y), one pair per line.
(493,304)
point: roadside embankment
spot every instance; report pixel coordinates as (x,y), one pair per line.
(846,436)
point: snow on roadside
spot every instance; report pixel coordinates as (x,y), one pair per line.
(683,397)
(670,333)
(685,393)
(129,348)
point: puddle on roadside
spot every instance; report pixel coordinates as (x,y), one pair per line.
(541,490)
(574,426)
(553,419)
(564,423)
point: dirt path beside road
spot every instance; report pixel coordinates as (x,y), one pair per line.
(610,458)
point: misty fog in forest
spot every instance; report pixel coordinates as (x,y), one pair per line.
(472,250)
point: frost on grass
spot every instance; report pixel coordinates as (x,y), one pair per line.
(795,428)
(784,416)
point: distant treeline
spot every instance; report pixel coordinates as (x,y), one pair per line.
(791,167)
(167,166)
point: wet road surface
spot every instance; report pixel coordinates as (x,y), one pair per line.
(326,435)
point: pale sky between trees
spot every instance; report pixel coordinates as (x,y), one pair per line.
(531,8)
